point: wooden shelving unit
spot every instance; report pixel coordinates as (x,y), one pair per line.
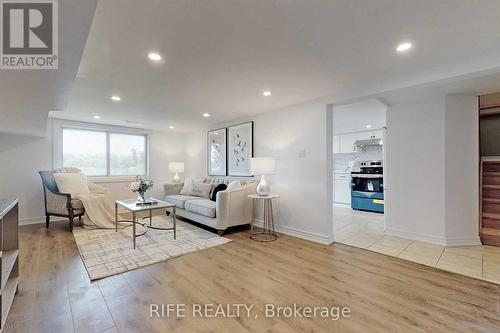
(9,256)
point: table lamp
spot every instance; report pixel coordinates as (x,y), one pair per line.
(263,166)
(176,167)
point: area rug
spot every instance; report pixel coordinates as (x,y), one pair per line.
(107,252)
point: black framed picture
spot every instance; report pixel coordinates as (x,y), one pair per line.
(217,152)
(240,149)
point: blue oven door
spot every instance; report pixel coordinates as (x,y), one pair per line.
(369,201)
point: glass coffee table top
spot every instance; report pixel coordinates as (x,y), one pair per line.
(133,206)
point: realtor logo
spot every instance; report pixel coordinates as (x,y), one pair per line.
(29,34)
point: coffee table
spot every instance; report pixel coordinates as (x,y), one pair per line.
(132,206)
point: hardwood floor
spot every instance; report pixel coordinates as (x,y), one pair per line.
(385,294)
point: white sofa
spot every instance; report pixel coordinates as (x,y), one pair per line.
(231,208)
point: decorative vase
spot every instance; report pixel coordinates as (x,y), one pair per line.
(140,198)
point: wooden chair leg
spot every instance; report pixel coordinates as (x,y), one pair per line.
(71,217)
(47,220)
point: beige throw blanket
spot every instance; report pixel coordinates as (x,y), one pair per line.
(99,208)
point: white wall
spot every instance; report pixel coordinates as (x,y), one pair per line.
(19,170)
(462,169)
(196,154)
(301,182)
(432,178)
(414,198)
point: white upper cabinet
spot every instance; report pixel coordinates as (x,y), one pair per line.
(347,143)
(370,135)
(344,143)
(378,134)
(364,135)
(336,144)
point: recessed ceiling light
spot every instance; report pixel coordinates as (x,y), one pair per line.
(206,115)
(403,47)
(116,98)
(216,133)
(266,93)
(171,127)
(97,117)
(368,126)
(154,56)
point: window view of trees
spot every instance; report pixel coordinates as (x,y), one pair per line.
(127,154)
(89,151)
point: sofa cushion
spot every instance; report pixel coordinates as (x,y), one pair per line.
(218,188)
(203,207)
(233,185)
(226,180)
(201,190)
(179,200)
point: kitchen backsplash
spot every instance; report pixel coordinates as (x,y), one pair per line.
(341,161)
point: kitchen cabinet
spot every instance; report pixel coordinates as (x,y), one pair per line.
(336,144)
(344,143)
(378,134)
(342,188)
(364,135)
(369,135)
(347,143)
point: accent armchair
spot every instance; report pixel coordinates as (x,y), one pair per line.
(57,203)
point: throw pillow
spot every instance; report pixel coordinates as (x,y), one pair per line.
(188,186)
(234,185)
(201,190)
(218,188)
(72,183)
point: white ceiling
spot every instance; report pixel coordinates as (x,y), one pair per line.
(219,55)
(355,117)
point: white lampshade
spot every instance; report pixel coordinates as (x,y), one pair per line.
(176,166)
(263,165)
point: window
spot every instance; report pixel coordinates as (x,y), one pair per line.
(101,153)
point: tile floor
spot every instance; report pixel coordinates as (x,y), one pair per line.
(366,230)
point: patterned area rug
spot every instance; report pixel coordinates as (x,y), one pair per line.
(107,252)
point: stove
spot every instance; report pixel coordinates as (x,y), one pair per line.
(367,186)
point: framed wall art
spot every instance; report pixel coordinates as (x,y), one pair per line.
(240,149)
(217,152)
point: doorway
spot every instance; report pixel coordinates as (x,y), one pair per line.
(358,172)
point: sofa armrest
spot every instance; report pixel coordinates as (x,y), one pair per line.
(173,189)
(234,207)
(57,202)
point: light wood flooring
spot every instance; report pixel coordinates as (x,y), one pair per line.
(385,294)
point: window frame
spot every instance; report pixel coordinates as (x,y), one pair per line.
(59,127)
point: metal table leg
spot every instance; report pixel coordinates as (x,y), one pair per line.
(116,217)
(175,226)
(133,227)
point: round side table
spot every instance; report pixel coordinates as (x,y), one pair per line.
(267,234)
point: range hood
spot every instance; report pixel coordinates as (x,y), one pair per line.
(368,143)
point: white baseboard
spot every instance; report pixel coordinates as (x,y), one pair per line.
(309,236)
(37,220)
(471,241)
(341,205)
